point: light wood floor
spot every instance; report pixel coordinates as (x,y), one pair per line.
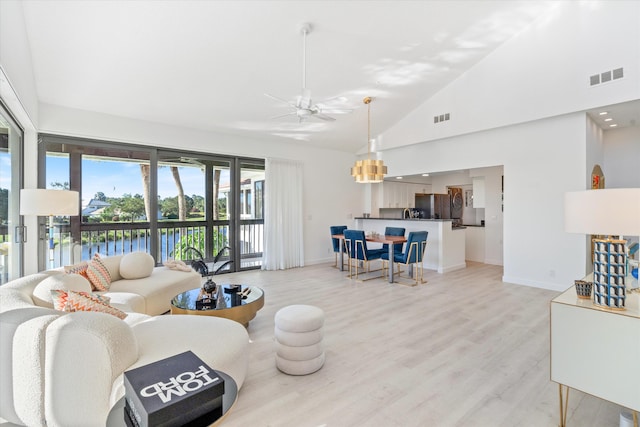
(464,349)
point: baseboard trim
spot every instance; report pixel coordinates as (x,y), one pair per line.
(453,268)
(535,284)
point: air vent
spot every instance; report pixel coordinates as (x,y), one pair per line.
(606,76)
(441,118)
(618,73)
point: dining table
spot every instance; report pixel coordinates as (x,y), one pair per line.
(391,241)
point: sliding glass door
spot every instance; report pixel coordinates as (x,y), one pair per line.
(194,216)
(171,204)
(11,238)
(251,207)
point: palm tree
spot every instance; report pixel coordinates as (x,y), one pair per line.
(182,206)
(216,191)
(144,171)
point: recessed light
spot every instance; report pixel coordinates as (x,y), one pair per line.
(613,125)
(603,113)
(425,174)
(608,120)
(398,177)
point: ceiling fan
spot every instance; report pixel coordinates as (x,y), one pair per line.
(304,107)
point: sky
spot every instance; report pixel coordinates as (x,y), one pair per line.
(5,167)
(117,178)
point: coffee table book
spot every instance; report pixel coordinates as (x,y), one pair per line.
(171,392)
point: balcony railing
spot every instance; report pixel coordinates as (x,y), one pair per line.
(173,237)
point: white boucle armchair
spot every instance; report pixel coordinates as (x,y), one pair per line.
(66,369)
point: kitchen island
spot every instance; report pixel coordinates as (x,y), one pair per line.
(445,244)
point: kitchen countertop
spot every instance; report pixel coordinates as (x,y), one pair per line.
(472,225)
(447,244)
(406,219)
(453,227)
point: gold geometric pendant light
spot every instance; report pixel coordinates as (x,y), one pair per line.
(368,170)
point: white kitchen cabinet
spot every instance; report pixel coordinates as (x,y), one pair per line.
(475,244)
(411,196)
(400,194)
(479,192)
(388,195)
(403,192)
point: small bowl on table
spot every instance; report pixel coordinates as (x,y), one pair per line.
(583,289)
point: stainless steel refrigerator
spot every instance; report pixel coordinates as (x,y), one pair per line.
(434,206)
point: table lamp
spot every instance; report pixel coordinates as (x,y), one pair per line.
(43,202)
(613,213)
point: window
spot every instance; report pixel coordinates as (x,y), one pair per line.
(163,202)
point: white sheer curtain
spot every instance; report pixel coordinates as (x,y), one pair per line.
(283,222)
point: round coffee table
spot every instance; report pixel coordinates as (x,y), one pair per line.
(185,303)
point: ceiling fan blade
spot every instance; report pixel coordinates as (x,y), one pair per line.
(323,117)
(293,113)
(280,100)
(333,98)
(335,110)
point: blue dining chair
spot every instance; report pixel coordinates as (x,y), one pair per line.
(337,229)
(413,254)
(393,231)
(357,250)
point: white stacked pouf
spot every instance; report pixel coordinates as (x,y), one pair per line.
(299,333)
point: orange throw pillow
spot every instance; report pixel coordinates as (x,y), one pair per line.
(71,301)
(98,274)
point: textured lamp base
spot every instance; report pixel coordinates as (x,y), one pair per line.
(609,271)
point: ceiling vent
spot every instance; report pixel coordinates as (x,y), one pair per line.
(441,118)
(618,73)
(606,76)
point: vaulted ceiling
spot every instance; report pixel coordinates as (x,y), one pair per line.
(207,64)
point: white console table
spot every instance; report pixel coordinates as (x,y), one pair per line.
(596,350)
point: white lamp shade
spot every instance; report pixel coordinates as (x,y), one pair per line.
(49,202)
(612,211)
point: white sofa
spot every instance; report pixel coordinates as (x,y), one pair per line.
(151,289)
(65,369)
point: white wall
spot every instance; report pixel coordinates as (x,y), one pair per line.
(594,149)
(15,56)
(621,157)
